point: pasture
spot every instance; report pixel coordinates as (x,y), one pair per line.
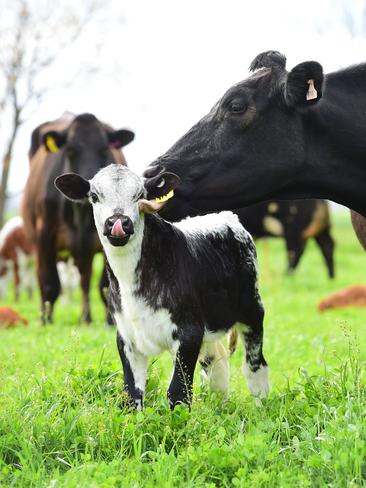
(61,387)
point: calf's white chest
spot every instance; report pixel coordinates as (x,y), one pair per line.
(148,331)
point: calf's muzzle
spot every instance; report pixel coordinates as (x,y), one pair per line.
(118,228)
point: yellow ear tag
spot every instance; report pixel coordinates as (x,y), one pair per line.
(166,197)
(51,144)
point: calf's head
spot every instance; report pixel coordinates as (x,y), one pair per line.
(250,146)
(119,197)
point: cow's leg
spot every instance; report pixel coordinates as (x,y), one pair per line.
(29,276)
(181,385)
(48,279)
(215,365)
(16,278)
(295,247)
(255,367)
(134,372)
(326,243)
(103,290)
(84,265)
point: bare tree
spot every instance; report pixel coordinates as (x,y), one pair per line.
(34,36)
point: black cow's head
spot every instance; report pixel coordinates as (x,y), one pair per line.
(250,146)
(87,144)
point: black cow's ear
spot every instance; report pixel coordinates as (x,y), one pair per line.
(304,84)
(120,138)
(161,185)
(159,190)
(268,59)
(73,186)
(54,140)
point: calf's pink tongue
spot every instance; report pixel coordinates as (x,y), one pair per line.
(117,229)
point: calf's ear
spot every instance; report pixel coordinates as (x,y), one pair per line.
(303,85)
(120,138)
(54,140)
(73,186)
(159,190)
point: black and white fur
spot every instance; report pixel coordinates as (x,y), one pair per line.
(176,287)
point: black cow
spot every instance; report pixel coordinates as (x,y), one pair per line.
(174,287)
(83,144)
(275,135)
(294,220)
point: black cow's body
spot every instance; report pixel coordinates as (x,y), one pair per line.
(174,287)
(275,135)
(295,221)
(82,144)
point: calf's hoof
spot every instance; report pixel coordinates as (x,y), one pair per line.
(175,399)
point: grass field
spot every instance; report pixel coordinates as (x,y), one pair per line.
(60,389)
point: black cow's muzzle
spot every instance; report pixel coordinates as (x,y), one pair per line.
(118,229)
(153,170)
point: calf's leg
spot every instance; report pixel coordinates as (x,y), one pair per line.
(255,367)
(181,385)
(134,372)
(215,364)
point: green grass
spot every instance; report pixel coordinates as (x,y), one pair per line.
(61,386)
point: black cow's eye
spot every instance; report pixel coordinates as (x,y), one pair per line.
(237,107)
(94,197)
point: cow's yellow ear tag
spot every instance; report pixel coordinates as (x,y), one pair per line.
(51,144)
(166,197)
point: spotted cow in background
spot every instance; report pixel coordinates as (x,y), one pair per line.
(296,221)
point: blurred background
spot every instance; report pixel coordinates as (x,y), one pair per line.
(154,67)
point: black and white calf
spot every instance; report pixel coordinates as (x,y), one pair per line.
(174,287)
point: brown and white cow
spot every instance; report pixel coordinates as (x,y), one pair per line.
(82,145)
(16,253)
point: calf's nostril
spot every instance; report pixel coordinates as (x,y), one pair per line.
(108,224)
(127,226)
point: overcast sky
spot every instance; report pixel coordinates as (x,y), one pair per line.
(177,58)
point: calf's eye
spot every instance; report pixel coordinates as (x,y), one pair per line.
(94,197)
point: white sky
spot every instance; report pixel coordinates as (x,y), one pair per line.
(177,58)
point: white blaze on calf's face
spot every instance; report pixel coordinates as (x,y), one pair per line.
(117,190)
